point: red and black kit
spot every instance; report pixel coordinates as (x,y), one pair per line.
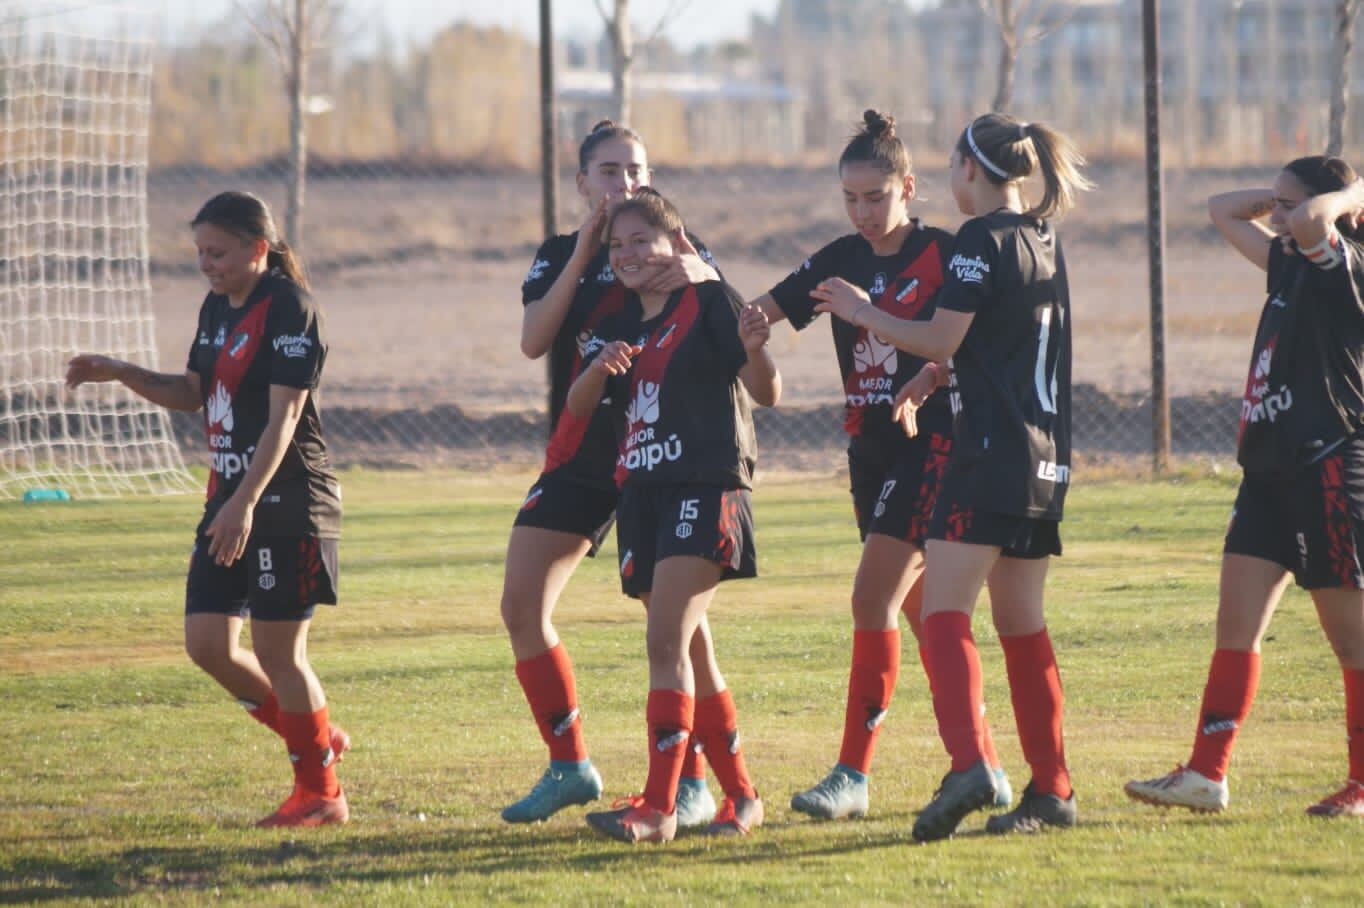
(894,477)
(576,491)
(1301,501)
(687,455)
(1006,481)
(275,338)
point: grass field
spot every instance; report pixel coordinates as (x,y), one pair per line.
(124,772)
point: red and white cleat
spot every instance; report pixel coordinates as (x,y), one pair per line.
(307,808)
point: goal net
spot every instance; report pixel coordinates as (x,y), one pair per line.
(75,108)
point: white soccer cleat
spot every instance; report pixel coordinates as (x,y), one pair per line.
(1182,788)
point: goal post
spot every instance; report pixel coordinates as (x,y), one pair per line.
(75,111)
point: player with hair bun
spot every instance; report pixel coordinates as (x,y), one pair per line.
(268,542)
(677,369)
(1003,318)
(896,452)
(1300,508)
(566,514)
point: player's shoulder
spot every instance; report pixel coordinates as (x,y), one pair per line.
(286,294)
(929,234)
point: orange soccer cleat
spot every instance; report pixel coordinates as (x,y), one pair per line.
(308,808)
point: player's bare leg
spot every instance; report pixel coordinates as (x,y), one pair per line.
(1341,612)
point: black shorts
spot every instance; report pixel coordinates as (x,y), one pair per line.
(657,522)
(1016,537)
(559,503)
(895,497)
(1311,521)
(279,578)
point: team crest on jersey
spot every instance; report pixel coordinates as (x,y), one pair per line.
(878,284)
(238,345)
(667,336)
(537,270)
(910,294)
(221,337)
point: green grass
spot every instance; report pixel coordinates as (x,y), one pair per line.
(124,772)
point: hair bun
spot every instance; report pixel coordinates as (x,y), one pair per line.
(602,124)
(878,124)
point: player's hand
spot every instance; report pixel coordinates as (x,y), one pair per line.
(615,358)
(686,267)
(840,298)
(911,397)
(754,328)
(228,532)
(90,367)
(590,233)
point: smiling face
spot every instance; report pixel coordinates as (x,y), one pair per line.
(876,201)
(231,264)
(632,241)
(618,168)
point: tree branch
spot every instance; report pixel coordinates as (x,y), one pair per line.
(674,9)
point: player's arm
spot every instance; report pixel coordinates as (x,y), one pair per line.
(232,526)
(1312,222)
(174,392)
(587,390)
(541,319)
(1239,217)
(769,308)
(759,374)
(936,339)
(686,266)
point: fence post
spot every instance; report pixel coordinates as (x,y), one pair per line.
(549,164)
(1155,232)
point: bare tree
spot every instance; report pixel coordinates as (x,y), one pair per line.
(294,29)
(1346,13)
(1020,22)
(623,49)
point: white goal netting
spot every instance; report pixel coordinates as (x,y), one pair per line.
(75,109)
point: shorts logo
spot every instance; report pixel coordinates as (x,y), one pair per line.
(684,531)
(627,563)
(267,582)
(532,499)
(1302,548)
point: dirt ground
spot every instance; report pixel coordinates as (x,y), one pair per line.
(420,279)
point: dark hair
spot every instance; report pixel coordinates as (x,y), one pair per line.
(650,205)
(1320,174)
(875,142)
(1008,150)
(604,131)
(245,216)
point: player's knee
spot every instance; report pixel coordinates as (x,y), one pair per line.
(665,647)
(208,653)
(522,614)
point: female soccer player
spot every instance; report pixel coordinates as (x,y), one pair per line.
(267,544)
(676,363)
(571,287)
(1003,317)
(898,263)
(1300,508)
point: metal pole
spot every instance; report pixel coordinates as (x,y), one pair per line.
(549,164)
(1155,233)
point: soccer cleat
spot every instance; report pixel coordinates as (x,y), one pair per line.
(1035,812)
(695,803)
(1182,788)
(959,794)
(737,816)
(1004,792)
(1348,802)
(632,820)
(579,783)
(339,741)
(838,795)
(306,808)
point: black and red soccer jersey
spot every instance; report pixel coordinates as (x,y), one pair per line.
(873,370)
(583,450)
(276,338)
(686,417)
(1305,389)
(1010,390)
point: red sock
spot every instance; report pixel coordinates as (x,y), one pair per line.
(1354,720)
(670,714)
(266,713)
(1035,685)
(717,728)
(871,682)
(693,764)
(1232,679)
(547,680)
(958,690)
(308,737)
(987,740)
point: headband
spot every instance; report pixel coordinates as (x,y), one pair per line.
(980,155)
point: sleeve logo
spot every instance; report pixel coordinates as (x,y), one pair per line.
(537,270)
(293,346)
(969,270)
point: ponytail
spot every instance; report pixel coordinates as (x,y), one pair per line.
(283,257)
(605,130)
(1008,150)
(876,143)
